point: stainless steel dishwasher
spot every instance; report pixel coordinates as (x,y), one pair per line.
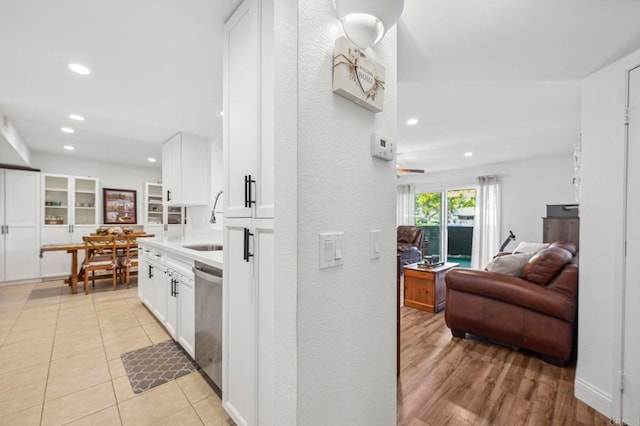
(209,320)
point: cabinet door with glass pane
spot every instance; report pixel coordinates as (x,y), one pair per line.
(85,195)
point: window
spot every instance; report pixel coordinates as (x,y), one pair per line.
(455,236)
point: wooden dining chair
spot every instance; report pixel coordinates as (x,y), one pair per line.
(128,262)
(99,255)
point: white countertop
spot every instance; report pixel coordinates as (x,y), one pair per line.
(174,246)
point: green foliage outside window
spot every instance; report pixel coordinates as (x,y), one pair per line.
(428,205)
(428,209)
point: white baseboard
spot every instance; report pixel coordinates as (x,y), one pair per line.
(593,397)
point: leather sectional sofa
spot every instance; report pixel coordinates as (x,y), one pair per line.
(536,311)
(410,239)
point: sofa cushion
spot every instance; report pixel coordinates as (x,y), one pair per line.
(531,248)
(545,265)
(565,245)
(509,265)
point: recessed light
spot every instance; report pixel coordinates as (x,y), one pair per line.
(222,113)
(67,129)
(69,147)
(151,160)
(468,154)
(412,121)
(76,117)
(79,68)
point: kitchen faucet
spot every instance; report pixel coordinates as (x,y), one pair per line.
(213,212)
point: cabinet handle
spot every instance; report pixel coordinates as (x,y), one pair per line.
(247,255)
(168,195)
(150,271)
(5,229)
(248,196)
(175,289)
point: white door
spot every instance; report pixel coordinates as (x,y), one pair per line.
(2,223)
(160,291)
(143,276)
(186,315)
(239,381)
(241,108)
(171,178)
(172,303)
(56,220)
(631,342)
(22,234)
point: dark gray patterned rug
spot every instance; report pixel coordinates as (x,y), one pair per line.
(154,365)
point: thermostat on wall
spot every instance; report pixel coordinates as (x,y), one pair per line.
(382,147)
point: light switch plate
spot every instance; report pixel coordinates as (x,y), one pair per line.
(374,244)
(331,251)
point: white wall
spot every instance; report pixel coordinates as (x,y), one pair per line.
(602,236)
(109,175)
(527,187)
(346,314)
(285,112)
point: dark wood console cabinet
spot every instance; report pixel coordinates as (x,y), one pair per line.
(561,228)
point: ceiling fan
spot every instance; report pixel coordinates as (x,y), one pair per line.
(403,170)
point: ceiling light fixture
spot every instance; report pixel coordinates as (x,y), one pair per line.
(412,121)
(222,113)
(468,154)
(79,69)
(76,117)
(365,22)
(151,160)
(69,147)
(67,129)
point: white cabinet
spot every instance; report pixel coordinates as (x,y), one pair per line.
(248,135)
(185,170)
(248,316)
(160,307)
(154,209)
(160,219)
(181,317)
(186,314)
(19,225)
(248,389)
(70,211)
(166,285)
(144,277)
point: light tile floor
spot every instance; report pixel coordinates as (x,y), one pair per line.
(60,361)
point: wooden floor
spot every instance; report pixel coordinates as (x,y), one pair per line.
(447,380)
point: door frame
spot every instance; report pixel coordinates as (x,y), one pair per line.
(621,290)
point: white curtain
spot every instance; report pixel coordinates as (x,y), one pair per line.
(486,227)
(406,205)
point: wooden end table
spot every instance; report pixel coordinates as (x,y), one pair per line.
(424,288)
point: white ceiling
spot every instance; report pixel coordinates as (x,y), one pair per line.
(156,69)
(499,78)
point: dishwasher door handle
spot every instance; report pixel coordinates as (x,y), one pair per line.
(207,277)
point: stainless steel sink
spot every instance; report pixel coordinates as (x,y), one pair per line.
(204,247)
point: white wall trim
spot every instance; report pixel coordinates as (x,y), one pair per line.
(593,396)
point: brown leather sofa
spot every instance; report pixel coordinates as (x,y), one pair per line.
(536,311)
(410,244)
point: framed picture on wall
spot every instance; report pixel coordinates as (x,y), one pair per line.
(119,206)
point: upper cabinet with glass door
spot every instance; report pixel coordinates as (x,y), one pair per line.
(85,195)
(70,200)
(56,200)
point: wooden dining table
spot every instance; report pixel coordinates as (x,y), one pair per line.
(73,249)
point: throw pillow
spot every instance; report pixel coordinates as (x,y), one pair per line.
(531,248)
(511,264)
